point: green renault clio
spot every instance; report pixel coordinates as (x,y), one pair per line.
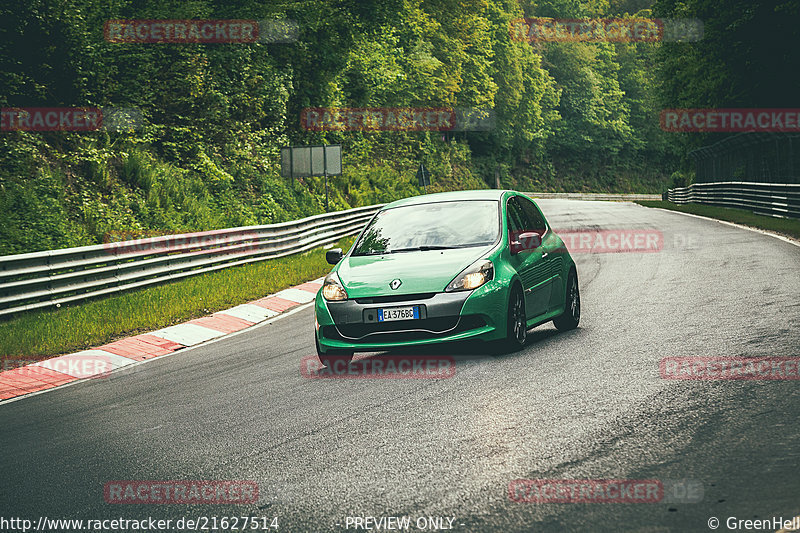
(482,265)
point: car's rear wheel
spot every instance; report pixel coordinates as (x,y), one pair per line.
(331,357)
(572,305)
(516,322)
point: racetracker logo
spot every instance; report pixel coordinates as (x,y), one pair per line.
(78,365)
(200,31)
(730,120)
(397,119)
(186,492)
(613,241)
(683,490)
(587,30)
(614,30)
(131,235)
(51,119)
(731,368)
(387,367)
(70,119)
(585,491)
(378,119)
(221,242)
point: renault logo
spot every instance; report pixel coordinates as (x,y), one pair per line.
(395,283)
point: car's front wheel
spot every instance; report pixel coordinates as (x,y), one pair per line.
(331,357)
(516,322)
(572,305)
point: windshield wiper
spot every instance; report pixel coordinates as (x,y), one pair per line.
(424,248)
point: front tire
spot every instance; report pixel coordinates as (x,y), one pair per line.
(331,357)
(572,305)
(516,322)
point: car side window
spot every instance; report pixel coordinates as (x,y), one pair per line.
(533,218)
(516,218)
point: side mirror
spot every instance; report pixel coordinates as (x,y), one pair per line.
(333,256)
(528,240)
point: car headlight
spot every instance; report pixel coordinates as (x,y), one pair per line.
(332,288)
(472,277)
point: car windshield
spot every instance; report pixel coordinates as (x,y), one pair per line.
(433,226)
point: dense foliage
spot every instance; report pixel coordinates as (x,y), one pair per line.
(749,57)
(574,116)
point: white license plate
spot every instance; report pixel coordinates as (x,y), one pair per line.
(398,313)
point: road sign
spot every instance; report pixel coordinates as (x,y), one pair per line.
(319,160)
(304,161)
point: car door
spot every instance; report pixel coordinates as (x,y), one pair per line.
(530,264)
(552,258)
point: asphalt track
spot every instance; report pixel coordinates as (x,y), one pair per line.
(587,404)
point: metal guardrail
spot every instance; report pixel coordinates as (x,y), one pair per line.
(600,196)
(44,279)
(773,199)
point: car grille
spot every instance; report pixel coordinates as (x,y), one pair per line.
(396,298)
(403,330)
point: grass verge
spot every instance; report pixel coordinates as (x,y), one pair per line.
(786,226)
(39,335)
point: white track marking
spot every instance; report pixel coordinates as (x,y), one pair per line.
(79,364)
(756,230)
(296,295)
(187,334)
(249,312)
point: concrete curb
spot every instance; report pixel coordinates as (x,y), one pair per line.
(99,362)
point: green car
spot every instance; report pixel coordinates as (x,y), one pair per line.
(481,265)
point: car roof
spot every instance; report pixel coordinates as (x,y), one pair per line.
(482,194)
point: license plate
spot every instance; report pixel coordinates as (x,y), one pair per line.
(398,313)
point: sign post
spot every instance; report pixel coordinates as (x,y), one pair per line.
(424,177)
(325,165)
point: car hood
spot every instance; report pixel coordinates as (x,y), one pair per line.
(428,271)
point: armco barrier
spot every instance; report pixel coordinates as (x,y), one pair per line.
(599,196)
(773,199)
(53,277)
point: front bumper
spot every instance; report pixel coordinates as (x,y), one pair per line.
(444,317)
